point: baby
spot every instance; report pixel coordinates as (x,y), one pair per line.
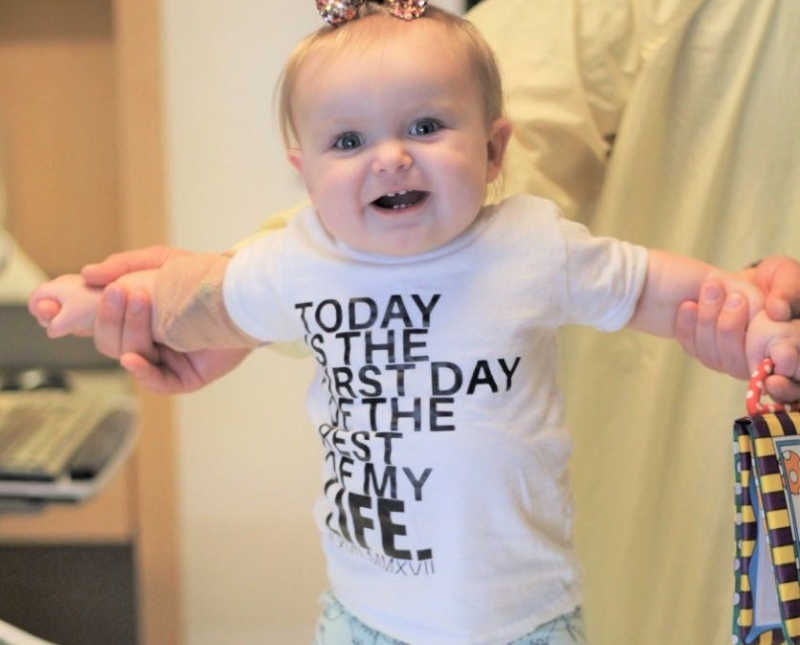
(444,510)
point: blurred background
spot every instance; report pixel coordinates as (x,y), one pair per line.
(132,122)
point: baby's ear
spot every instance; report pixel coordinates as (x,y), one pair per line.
(499,134)
(295,157)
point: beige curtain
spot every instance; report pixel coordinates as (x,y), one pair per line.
(701,100)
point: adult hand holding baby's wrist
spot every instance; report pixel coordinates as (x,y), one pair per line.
(123,323)
(123,328)
(712,330)
(124,313)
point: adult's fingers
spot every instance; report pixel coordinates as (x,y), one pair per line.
(174,375)
(109,321)
(696,326)
(136,335)
(779,278)
(730,336)
(122,324)
(709,305)
(118,264)
(713,329)
(154,377)
(782,389)
(685,325)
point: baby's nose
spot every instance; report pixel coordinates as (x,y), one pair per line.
(391,156)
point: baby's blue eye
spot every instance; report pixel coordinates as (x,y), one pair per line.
(347,141)
(424,127)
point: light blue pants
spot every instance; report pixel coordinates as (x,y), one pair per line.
(338,627)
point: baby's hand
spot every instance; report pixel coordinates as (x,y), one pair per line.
(779,341)
(65,305)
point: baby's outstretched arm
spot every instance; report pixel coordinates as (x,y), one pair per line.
(672,279)
(186,293)
(189,311)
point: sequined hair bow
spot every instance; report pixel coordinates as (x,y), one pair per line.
(335,12)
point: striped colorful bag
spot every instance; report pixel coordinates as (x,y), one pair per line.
(766,609)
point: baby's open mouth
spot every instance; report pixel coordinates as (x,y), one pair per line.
(399,200)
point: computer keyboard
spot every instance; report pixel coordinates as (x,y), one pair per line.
(62,444)
(68,416)
(42,432)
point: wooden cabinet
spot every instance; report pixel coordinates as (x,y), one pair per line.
(80,122)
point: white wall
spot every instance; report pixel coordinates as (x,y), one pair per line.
(248,472)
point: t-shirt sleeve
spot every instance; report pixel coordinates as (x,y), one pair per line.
(252,291)
(602,278)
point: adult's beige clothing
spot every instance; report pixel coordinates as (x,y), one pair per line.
(702,100)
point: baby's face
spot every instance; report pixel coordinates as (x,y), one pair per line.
(394,147)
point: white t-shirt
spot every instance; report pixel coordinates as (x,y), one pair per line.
(445,509)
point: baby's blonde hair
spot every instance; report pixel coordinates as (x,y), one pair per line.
(464,32)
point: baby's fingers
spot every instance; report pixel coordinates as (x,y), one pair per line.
(47,300)
(779,341)
(784,383)
(44,302)
(44,310)
(786,358)
(68,323)
(782,389)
